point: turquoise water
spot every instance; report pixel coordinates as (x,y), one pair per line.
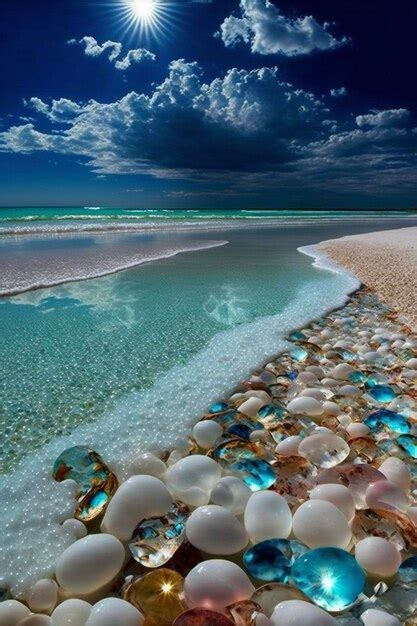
(69,353)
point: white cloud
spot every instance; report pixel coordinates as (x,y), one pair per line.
(339,92)
(113,51)
(391,118)
(263,26)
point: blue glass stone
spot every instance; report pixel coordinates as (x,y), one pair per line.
(382,393)
(244,429)
(330,577)
(395,422)
(407,572)
(293,375)
(272,410)
(357,377)
(298,336)
(299,354)
(409,444)
(255,473)
(271,560)
(219,407)
(371,382)
(226,419)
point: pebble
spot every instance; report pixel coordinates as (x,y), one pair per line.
(397,473)
(206,433)
(71,613)
(36,619)
(12,612)
(378,556)
(251,407)
(75,528)
(375,617)
(215,530)
(289,446)
(386,495)
(342,371)
(193,472)
(267,516)
(114,612)
(216,584)
(305,406)
(357,429)
(231,493)
(339,495)
(148,464)
(43,596)
(299,613)
(318,523)
(90,564)
(324,449)
(138,498)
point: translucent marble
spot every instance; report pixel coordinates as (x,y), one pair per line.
(324,450)
(156,540)
(393,422)
(407,571)
(330,577)
(271,560)
(382,393)
(158,595)
(242,460)
(269,596)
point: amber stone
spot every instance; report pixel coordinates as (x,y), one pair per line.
(158,595)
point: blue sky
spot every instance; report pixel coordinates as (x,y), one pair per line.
(229,103)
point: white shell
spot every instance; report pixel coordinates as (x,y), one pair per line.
(319,524)
(375,617)
(216,530)
(193,471)
(148,464)
(386,495)
(138,498)
(231,493)
(12,612)
(289,446)
(396,472)
(299,613)
(339,495)
(71,613)
(207,433)
(114,612)
(305,406)
(267,516)
(251,406)
(378,556)
(90,563)
(216,584)
(43,596)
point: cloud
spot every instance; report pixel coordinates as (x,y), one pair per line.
(246,130)
(113,51)
(261,25)
(396,118)
(338,93)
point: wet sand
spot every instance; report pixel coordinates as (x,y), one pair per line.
(385,261)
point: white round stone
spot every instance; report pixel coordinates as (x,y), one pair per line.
(378,556)
(12,612)
(339,495)
(216,530)
(324,449)
(397,473)
(75,528)
(313,392)
(71,613)
(36,619)
(89,564)
(216,584)
(231,493)
(386,495)
(289,446)
(251,407)
(356,429)
(43,596)
(316,370)
(331,408)
(207,433)
(350,391)
(375,617)
(195,471)
(299,613)
(114,612)
(318,523)
(148,464)
(267,516)
(307,378)
(342,371)
(137,499)
(412,364)
(305,406)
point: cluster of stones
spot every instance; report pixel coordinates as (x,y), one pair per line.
(294,502)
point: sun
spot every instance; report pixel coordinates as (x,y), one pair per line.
(148,19)
(144,9)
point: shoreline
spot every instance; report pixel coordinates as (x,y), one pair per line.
(254,386)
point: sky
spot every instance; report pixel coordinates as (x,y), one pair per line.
(208,103)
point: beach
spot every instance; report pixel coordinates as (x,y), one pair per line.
(384,261)
(319,437)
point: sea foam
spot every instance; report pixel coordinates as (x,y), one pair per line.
(34,506)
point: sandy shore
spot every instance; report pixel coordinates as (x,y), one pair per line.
(385,261)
